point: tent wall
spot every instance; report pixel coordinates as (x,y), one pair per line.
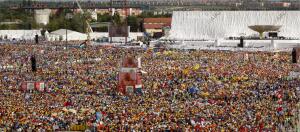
(19,34)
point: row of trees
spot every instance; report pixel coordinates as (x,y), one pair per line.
(77,22)
(24,19)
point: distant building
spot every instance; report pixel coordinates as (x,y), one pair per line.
(156,25)
(130,11)
(281,4)
(42,16)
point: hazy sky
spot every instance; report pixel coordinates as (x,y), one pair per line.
(136,0)
(140,0)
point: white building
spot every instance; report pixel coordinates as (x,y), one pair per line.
(211,25)
(42,16)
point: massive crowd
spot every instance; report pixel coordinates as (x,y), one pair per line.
(182,90)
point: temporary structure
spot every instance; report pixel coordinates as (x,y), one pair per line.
(19,34)
(64,35)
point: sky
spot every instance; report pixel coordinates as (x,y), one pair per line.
(138,0)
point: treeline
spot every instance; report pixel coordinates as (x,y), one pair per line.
(24,19)
(77,22)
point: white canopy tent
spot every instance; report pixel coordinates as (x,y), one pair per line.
(132,36)
(62,34)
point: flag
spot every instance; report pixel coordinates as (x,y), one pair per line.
(98,116)
(40,86)
(196,67)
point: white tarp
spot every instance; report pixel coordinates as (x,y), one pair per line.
(196,25)
(132,36)
(61,34)
(19,34)
(73,35)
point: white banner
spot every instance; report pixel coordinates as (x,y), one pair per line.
(128,70)
(30,86)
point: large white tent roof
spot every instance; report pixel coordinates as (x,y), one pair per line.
(64,32)
(195,25)
(73,35)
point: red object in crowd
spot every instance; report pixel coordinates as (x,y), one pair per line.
(198,128)
(243,129)
(129,76)
(31,85)
(103,113)
(261,126)
(210,101)
(280,101)
(67,104)
(279,96)
(279,109)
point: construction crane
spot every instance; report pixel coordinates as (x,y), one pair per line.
(87,20)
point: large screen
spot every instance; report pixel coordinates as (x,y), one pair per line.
(118,30)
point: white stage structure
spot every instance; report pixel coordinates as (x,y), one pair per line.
(212,25)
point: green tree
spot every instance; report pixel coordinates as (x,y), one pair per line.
(4,27)
(117,19)
(78,23)
(133,22)
(26,18)
(56,22)
(104,18)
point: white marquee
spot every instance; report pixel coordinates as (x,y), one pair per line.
(195,25)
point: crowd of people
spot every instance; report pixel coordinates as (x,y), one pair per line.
(182,90)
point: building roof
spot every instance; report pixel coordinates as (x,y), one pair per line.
(153,26)
(158,20)
(157,23)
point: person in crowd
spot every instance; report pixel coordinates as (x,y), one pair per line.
(182,90)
